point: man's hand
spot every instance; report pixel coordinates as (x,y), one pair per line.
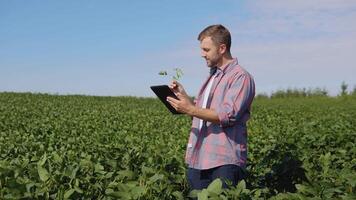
(177,88)
(183,104)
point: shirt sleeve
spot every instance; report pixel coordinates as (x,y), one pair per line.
(237,100)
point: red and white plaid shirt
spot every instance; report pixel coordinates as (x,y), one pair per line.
(231,95)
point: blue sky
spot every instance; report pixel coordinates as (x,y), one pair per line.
(118,47)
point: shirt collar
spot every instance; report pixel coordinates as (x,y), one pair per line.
(213,70)
(224,68)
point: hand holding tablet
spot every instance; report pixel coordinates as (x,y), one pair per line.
(162,92)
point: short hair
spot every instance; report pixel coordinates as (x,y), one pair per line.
(218,33)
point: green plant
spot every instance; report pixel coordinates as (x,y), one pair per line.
(343,89)
(177,75)
(89,147)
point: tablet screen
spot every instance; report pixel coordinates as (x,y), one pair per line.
(162,92)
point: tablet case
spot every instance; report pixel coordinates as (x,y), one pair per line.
(162,92)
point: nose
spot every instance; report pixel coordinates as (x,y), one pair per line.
(203,54)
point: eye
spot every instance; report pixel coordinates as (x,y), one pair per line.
(206,49)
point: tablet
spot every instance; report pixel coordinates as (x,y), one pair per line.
(162,92)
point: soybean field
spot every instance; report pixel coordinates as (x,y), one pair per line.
(89,147)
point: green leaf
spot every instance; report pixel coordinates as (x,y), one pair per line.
(178,195)
(57,158)
(179,74)
(240,186)
(203,195)
(119,195)
(194,193)
(68,193)
(215,187)
(125,174)
(109,174)
(138,191)
(77,189)
(43,173)
(257,193)
(99,168)
(163,73)
(155,178)
(348,196)
(43,160)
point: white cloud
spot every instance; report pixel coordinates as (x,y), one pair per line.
(284,44)
(285,20)
(300,64)
(298,43)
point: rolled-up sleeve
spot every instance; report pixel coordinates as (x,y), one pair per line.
(236,100)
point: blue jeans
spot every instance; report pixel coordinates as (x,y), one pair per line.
(200,179)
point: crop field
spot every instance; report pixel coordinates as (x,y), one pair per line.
(86,147)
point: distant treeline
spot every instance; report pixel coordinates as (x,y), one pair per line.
(311,92)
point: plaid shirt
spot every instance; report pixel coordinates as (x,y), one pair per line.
(230,96)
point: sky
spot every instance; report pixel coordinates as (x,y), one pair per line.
(117,48)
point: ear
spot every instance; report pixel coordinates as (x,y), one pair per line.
(222,48)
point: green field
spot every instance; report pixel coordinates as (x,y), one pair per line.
(85,147)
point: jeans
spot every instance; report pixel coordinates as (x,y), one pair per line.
(200,179)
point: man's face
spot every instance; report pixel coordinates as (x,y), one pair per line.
(210,52)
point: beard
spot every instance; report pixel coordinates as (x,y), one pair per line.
(212,62)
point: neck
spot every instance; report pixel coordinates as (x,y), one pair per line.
(225,59)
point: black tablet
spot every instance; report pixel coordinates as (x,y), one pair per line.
(162,92)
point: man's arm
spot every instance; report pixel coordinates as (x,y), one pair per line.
(185,105)
(237,99)
(205,114)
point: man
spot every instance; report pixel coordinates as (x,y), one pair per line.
(218,138)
